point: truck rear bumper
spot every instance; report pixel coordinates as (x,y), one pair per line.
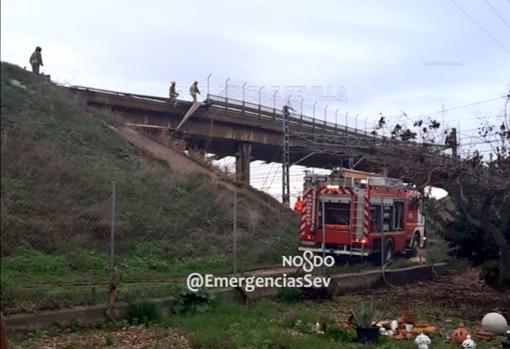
(337,251)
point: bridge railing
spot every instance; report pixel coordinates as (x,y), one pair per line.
(306,126)
(265,112)
(249,109)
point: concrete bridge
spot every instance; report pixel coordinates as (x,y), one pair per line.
(247,131)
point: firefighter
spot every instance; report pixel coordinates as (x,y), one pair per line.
(298,205)
(173,94)
(36,60)
(193,90)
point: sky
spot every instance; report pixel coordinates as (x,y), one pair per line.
(443,59)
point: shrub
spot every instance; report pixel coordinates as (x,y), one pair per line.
(339,334)
(143,312)
(364,315)
(290,295)
(489,273)
(187,301)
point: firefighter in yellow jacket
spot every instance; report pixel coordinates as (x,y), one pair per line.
(172,94)
(193,90)
(36,60)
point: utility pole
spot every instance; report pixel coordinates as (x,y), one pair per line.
(285,156)
(234,232)
(454,142)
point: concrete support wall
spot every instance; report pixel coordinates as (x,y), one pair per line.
(243,157)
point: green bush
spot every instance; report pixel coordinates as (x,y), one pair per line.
(290,295)
(489,273)
(364,315)
(143,312)
(339,334)
(187,301)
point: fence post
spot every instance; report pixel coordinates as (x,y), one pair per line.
(234,232)
(112,231)
(112,293)
(323,242)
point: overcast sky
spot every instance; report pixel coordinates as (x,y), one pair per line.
(360,57)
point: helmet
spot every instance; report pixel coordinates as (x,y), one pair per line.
(173,82)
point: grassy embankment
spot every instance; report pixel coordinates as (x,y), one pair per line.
(59,159)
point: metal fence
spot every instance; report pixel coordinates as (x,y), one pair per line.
(268,113)
(75,243)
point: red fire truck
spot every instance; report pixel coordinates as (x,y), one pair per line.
(350,212)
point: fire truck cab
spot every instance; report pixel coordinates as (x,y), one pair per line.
(351,212)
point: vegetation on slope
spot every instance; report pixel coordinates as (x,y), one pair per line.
(59,159)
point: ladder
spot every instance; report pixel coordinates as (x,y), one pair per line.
(190,112)
(358,204)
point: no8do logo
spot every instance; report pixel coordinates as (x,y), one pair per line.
(308,261)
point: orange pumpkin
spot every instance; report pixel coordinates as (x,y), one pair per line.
(459,334)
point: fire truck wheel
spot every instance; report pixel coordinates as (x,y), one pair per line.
(388,251)
(413,249)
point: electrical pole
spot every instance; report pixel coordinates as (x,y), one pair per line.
(454,142)
(285,156)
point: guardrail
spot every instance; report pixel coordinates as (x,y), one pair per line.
(268,113)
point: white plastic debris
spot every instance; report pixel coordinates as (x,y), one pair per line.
(422,341)
(318,328)
(468,343)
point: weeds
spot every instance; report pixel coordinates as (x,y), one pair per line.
(187,301)
(290,295)
(143,312)
(108,340)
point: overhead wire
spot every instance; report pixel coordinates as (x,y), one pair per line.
(480,26)
(497,14)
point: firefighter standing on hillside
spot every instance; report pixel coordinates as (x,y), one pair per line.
(298,205)
(173,94)
(36,60)
(193,90)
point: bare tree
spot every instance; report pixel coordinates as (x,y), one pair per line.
(478,186)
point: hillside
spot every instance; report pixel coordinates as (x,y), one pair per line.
(59,159)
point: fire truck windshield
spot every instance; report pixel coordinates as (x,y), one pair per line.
(335,213)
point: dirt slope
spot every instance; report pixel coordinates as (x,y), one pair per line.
(181,163)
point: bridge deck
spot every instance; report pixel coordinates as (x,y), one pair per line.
(222,126)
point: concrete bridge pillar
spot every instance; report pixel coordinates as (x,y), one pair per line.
(243,156)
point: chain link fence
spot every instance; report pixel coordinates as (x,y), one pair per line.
(136,238)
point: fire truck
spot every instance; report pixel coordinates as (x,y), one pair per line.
(355,213)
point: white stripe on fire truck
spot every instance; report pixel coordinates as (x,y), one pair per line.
(366,222)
